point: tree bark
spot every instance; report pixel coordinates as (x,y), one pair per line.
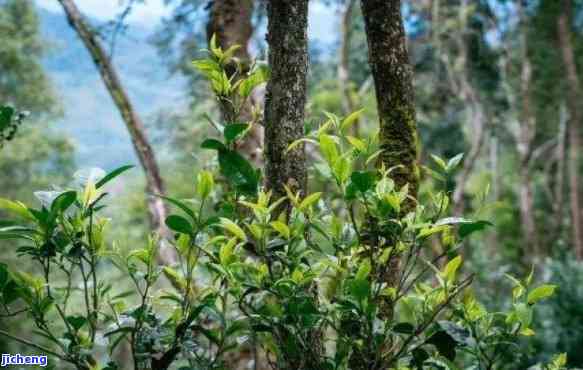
(564,24)
(286,95)
(459,78)
(393,81)
(525,138)
(144,151)
(392,74)
(231,22)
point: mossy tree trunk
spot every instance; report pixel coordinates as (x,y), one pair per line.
(143,149)
(392,73)
(286,95)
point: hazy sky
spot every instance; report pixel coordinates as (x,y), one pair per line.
(150,13)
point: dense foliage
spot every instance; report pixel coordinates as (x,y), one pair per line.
(301,281)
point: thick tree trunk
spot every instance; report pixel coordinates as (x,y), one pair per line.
(393,75)
(575,116)
(154,183)
(393,81)
(231,22)
(286,95)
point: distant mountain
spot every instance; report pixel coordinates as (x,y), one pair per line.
(91,118)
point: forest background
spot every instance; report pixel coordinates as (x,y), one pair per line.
(492,80)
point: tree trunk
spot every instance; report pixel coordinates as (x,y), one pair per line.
(393,81)
(349,104)
(286,95)
(525,138)
(154,183)
(231,22)
(575,115)
(459,77)
(392,74)
(558,192)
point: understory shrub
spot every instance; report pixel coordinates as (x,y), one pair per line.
(341,280)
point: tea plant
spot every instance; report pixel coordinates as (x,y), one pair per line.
(341,280)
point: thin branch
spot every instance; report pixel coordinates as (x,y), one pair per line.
(36,346)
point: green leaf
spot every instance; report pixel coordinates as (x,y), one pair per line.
(440,162)
(454,162)
(363,271)
(540,293)
(309,201)
(460,334)
(233,228)
(238,171)
(328,148)
(16,208)
(359,289)
(63,201)
(470,228)
(205,184)
(363,180)
(350,120)
(404,328)
(259,75)
(281,228)
(451,268)
(342,169)
(6,114)
(466,227)
(233,131)
(112,175)
(177,281)
(206,66)
(357,143)
(76,322)
(4,275)
(213,144)
(226,256)
(297,142)
(179,224)
(180,205)
(444,343)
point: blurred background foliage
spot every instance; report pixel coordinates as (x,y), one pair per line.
(468,59)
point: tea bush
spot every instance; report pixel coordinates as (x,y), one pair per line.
(335,280)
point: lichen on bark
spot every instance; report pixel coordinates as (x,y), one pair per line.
(286,95)
(393,75)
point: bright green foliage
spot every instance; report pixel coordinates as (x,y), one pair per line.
(304,285)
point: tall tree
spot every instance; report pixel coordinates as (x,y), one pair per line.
(392,73)
(286,95)
(134,124)
(521,111)
(393,81)
(231,23)
(573,98)
(460,80)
